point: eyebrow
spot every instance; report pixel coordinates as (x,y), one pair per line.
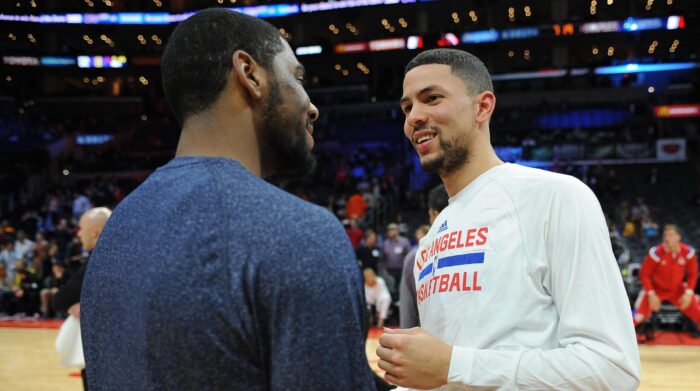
(421,92)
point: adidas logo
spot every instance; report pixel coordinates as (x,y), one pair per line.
(443,227)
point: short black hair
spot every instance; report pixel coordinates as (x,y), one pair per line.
(438,199)
(197,59)
(463,64)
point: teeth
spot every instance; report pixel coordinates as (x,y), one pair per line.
(423,139)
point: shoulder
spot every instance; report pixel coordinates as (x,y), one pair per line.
(517,178)
(688,251)
(536,188)
(655,253)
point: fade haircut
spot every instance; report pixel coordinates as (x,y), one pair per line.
(198,57)
(464,65)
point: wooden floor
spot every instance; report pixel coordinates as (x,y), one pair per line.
(28,362)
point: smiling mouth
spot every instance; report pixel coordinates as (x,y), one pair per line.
(425,138)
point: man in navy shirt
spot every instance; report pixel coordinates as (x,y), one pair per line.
(206,277)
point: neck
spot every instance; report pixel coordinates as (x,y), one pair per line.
(481,159)
(222,133)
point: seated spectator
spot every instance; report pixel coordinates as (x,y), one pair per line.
(7,255)
(23,246)
(377,294)
(6,293)
(26,289)
(52,283)
(649,228)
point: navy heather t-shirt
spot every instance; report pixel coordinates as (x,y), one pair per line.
(208,278)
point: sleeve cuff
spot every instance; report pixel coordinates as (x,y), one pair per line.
(461,364)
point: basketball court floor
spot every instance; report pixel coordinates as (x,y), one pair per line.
(29,362)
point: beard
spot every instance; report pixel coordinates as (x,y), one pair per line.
(283,149)
(453,155)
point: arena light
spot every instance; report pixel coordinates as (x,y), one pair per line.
(57,61)
(414,42)
(101,61)
(307,50)
(480,36)
(520,33)
(380,45)
(612,26)
(355,47)
(335,5)
(641,68)
(639,24)
(92,139)
(677,111)
(675,23)
(25,61)
(448,39)
(542,74)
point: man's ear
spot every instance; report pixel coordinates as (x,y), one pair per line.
(249,73)
(487,103)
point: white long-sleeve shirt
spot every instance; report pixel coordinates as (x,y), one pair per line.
(518,275)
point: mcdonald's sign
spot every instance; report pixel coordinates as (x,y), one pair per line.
(677,111)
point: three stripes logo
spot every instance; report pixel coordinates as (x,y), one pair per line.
(443,227)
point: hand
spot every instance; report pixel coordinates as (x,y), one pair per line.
(654,301)
(414,358)
(54,290)
(19,293)
(75,310)
(685,300)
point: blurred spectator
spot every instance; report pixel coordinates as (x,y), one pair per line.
(8,255)
(628,229)
(368,253)
(639,210)
(23,246)
(622,212)
(354,232)
(377,295)
(41,263)
(81,203)
(356,206)
(58,278)
(649,228)
(6,293)
(26,289)
(394,251)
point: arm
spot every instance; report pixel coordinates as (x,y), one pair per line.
(312,308)
(596,346)
(692,271)
(647,271)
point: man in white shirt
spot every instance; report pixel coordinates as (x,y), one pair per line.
(517,285)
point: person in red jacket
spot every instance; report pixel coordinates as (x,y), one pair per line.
(663,272)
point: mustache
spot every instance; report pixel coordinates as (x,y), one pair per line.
(425,127)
